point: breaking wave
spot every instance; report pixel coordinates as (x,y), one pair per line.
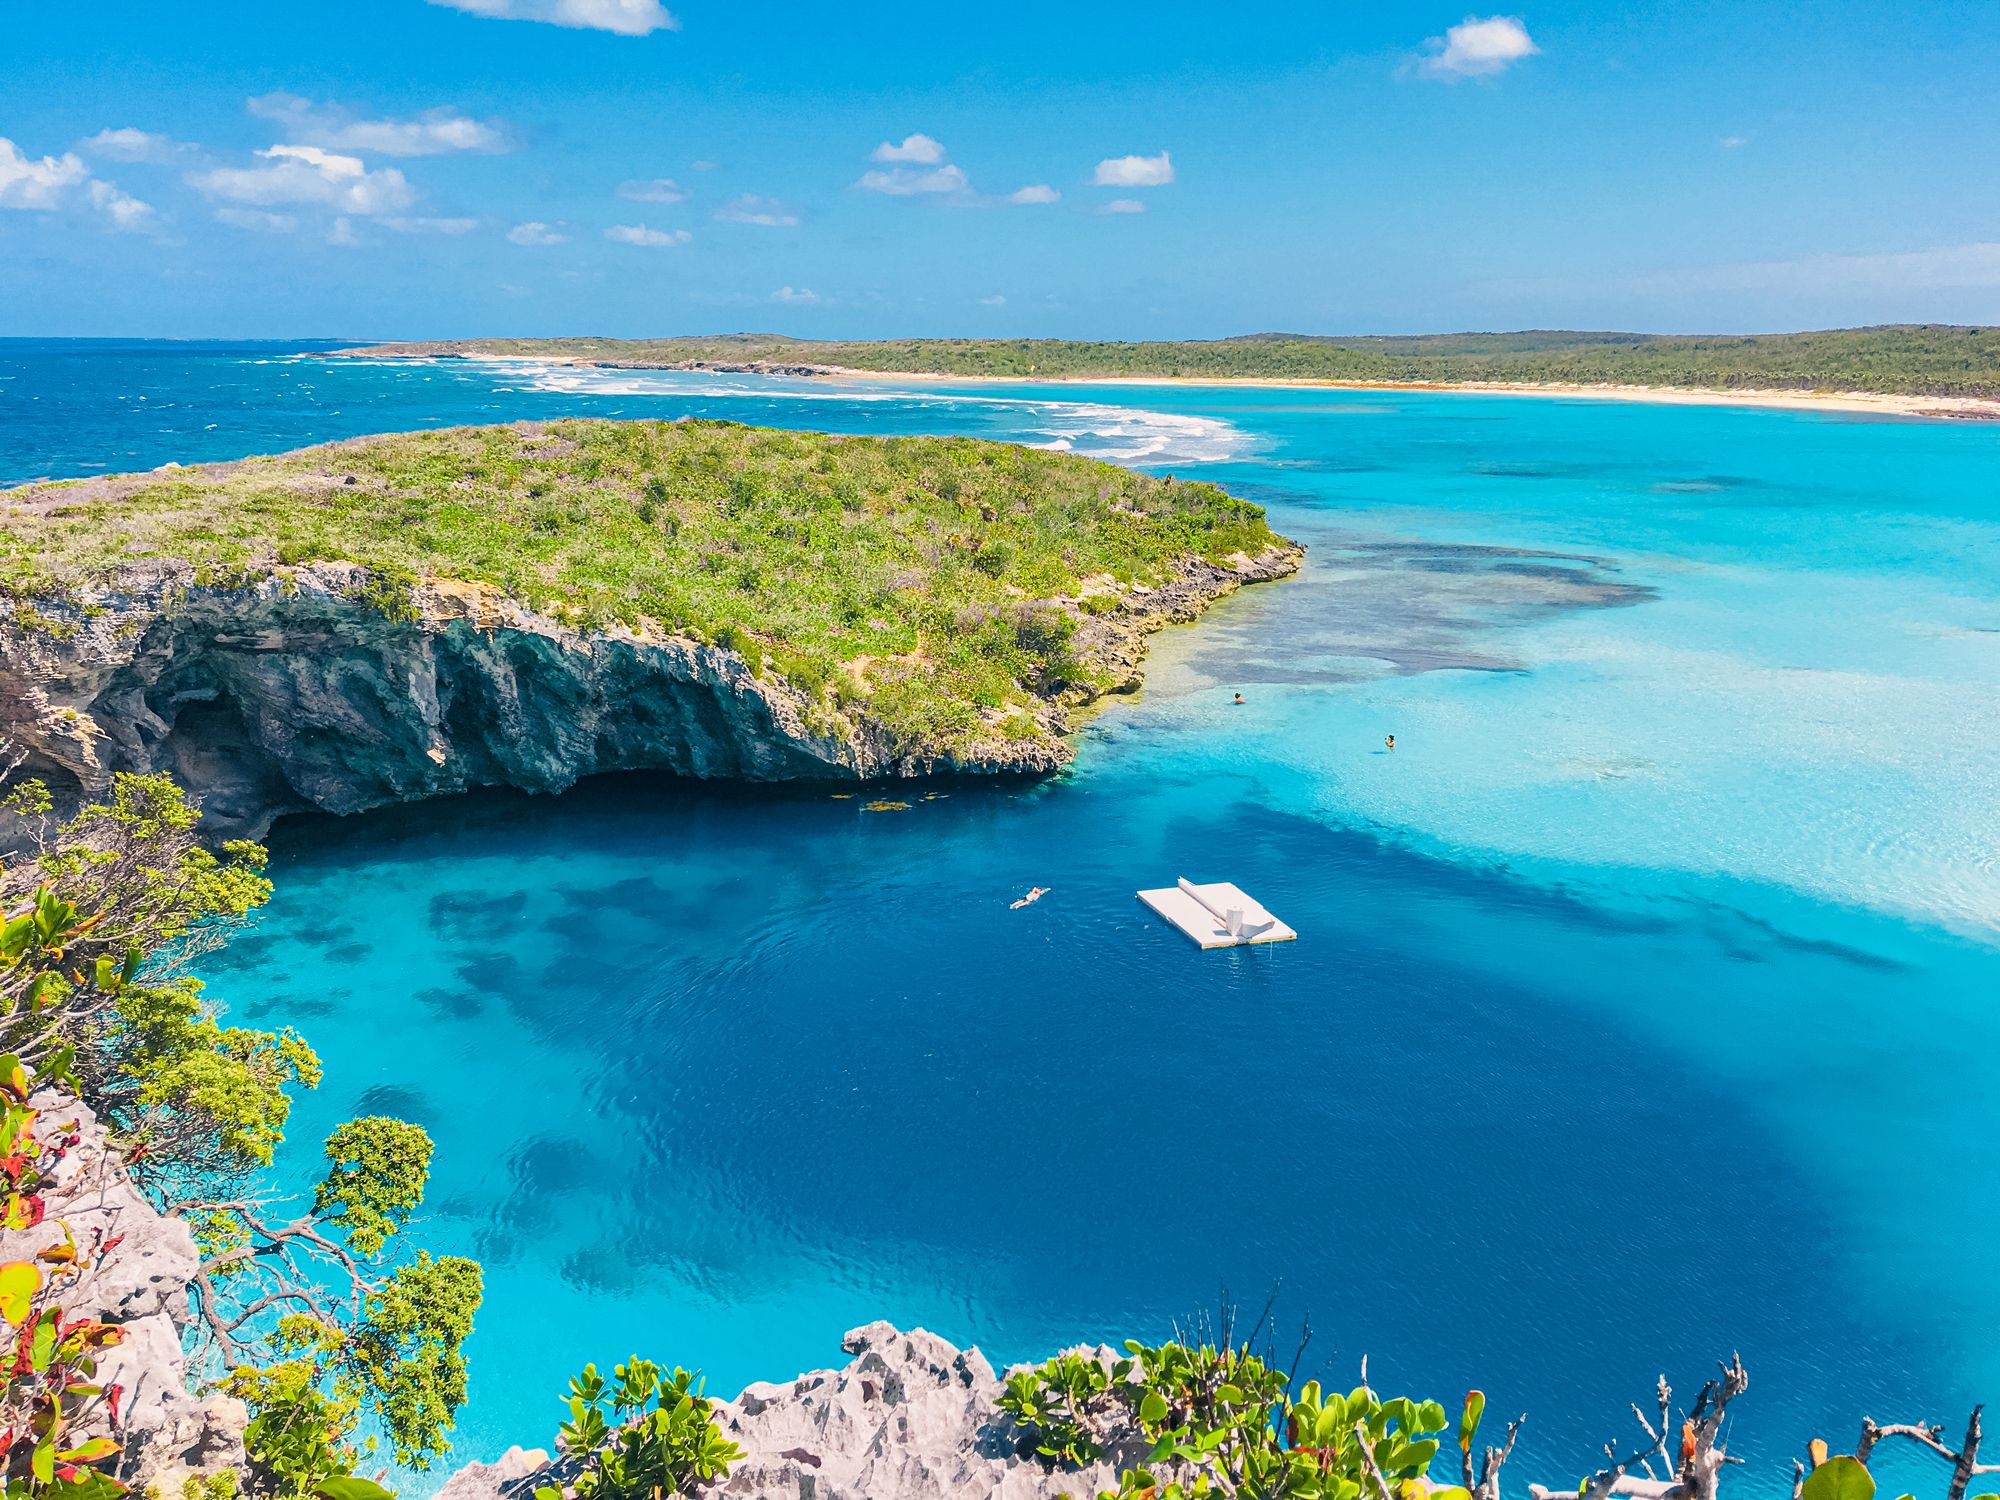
(1120,434)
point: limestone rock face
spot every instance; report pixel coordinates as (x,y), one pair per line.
(141,1285)
(910,1417)
(297,692)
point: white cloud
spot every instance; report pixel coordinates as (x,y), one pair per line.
(625,17)
(135,146)
(431,226)
(1039,192)
(750,209)
(257,219)
(996,300)
(306,174)
(535,232)
(48,183)
(342,234)
(1477,48)
(1123,206)
(795,294)
(639,234)
(1731,142)
(705,166)
(652,190)
(435,132)
(127,213)
(27,183)
(909,182)
(924,150)
(1135,171)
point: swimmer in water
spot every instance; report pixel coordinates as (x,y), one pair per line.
(1030,899)
(1239,697)
(1390,742)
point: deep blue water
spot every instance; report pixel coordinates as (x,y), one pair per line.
(1644,1007)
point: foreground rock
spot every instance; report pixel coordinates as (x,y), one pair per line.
(909,1417)
(140,1284)
(296,693)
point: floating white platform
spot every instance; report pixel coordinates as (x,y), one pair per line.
(1217,916)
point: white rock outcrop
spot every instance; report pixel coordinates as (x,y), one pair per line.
(140,1284)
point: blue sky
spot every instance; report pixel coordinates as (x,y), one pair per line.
(434,168)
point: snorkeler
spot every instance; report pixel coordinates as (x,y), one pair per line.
(1390,742)
(1028,900)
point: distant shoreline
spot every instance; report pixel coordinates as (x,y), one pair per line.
(1934,408)
(1864,403)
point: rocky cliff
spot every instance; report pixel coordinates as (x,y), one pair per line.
(908,1417)
(134,1270)
(298,691)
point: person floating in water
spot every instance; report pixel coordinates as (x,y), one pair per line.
(1030,899)
(1239,697)
(1390,742)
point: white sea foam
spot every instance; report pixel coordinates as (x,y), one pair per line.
(1121,434)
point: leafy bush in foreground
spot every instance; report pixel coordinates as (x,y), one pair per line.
(647,1435)
(318,1320)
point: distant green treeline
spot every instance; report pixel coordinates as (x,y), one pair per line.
(1909,359)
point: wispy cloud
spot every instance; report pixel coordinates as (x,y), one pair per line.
(1123,206)
(306,174)
(258,220)
(142,146)
(624,17)
(795,294)
(430,226)
(1732,142)
(1135,171)
(911,182)
(54,182)
(921,149)
(1971,265)
(1476,48)
(435,132)
(639,234)
(652,190)
(996,300)
(125,211)
(750,209)
(535,232)
(1039,192)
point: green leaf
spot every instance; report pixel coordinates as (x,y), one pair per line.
(1841,1478)
(19,1281)
(1468,1421)
(351,1487)
(1153,1409)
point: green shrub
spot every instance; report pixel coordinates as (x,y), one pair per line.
(644,1437)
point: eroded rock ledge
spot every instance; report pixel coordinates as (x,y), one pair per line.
(298,693)
(136,1266)
(909,1417)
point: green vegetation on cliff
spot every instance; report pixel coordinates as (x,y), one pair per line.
(911,574)
(1906,359)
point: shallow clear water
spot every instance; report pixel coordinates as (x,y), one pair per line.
(1644,1007)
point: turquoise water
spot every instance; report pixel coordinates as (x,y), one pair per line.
(1644,1007)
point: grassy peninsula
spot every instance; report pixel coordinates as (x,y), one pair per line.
(937,581)
(1934,360)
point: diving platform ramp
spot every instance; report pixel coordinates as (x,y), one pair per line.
(1217,916)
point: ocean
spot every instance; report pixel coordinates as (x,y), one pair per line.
(1644,1007)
